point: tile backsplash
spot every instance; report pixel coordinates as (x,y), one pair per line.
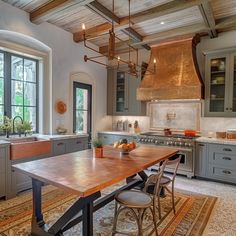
(207,124)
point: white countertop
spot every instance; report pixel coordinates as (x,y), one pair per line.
(216,140)
(60,136)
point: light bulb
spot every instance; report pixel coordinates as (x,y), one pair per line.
(118,58)
(83,26)
(154,61)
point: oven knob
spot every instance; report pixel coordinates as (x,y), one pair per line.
(186,144)
(150,140)
(170,143)
(156,142)
(190,145)
(176,144)
(180,144)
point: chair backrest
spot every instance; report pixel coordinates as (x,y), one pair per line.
(175,165)
(155,179)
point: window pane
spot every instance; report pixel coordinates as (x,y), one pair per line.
(1,64)
(16,92)
(16,68)
(81,121)
(1,91)
(17,111)
(30,115)
(30,94)
(29,70)
(1,113)
(81,98)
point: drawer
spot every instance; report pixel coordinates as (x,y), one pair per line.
(77,144)
(225,160)
(59,147)
(225,149)
(2,184)
(221,173)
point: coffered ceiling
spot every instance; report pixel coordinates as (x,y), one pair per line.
(152,21)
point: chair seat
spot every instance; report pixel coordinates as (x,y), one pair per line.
(165,180)
(134,199)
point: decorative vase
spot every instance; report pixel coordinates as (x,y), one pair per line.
(98,152)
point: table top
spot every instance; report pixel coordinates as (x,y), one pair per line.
(82,174)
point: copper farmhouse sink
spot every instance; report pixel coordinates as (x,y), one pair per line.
(29,147)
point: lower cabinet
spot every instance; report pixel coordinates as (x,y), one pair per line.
(64,146)
(109,139)
(222,162)
(201,159)
(216,162)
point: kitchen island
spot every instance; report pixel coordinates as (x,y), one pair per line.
(81,174)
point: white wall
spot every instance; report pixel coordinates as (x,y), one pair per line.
(67,59)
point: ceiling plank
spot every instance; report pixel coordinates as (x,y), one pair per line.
(208,17)
(45,12)
(171,7)
(103,11)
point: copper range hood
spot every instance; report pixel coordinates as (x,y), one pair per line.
(177,75)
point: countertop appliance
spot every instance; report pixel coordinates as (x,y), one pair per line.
(186,146)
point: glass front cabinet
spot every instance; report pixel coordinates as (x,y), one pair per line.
(220,84)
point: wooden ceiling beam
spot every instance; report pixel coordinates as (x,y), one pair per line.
(208,17)
(46,11)
(227,22)
(177,33)
(168,8)
(99,9)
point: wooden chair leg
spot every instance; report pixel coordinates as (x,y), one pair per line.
(115,219)
(140,231)
(173,199)
(154,219)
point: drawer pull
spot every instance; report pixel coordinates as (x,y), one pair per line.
(226,172)
(201,145)
(227,150)
(59,144)
(78,142)
(227,158)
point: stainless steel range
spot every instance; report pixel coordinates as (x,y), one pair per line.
(186,146)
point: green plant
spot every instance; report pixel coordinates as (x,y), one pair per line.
(6,124)
(97,143)
(25,127)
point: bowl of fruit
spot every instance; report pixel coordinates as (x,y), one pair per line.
(124,146)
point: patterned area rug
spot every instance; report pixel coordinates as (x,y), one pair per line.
(192,214)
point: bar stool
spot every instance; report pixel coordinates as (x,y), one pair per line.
(137,202)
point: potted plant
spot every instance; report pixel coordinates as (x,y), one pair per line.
(98,148)
(6,126)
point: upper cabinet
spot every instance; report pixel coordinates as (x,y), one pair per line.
(121,94)
(220,84)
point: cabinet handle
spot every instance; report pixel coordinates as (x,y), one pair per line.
(202,145)
(78,142)
(227,158)
(227,108)
(230,109)
(226,172)
(227,150)
(126,109)
(59,144)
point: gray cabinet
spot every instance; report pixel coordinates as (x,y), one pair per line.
(64,146)
(108,139)
(121,94)
(220,92)
(222,162)
(201,159)
(4,152)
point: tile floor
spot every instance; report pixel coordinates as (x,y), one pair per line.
(223,219)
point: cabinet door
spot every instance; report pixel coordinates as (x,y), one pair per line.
(59,147)
(106,139)
(3,156)
(232,85)
(201,160)
(217,80)
(77,144)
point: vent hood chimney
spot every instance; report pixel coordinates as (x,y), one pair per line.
(177,75)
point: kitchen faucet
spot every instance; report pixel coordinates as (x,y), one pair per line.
(13,128)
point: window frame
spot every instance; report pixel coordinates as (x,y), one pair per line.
(7,76)
(89,117)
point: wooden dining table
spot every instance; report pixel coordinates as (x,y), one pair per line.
(81,174)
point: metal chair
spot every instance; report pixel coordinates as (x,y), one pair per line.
(137,202)
(170,180)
